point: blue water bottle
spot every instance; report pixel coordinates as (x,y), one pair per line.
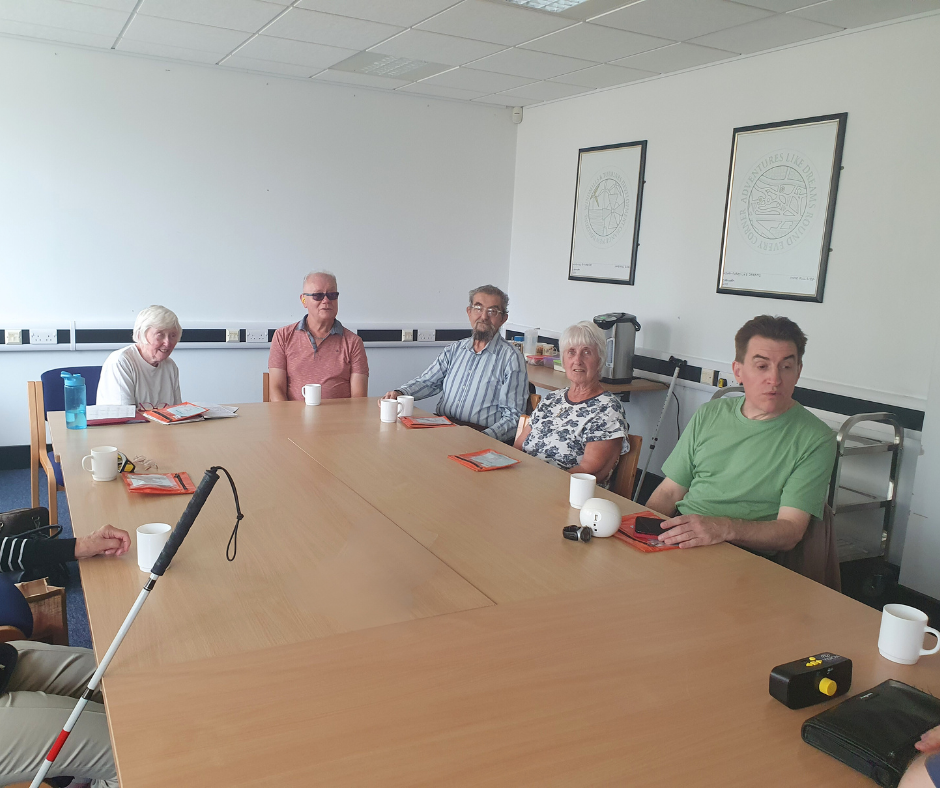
(74,401)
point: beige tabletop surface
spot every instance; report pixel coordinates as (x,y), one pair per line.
(394,618)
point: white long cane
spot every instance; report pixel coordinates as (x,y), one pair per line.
(163,561)
(672,385)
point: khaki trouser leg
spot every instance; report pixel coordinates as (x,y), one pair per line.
(43,689)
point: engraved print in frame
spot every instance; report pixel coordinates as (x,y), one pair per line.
(605,232)
(779,208)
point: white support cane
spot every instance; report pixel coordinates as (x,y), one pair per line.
(163,561)
(672,385)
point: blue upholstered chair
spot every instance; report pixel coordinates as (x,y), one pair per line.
(16,619)
(44,396)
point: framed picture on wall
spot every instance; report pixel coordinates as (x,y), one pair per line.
(779,208)
(607,200)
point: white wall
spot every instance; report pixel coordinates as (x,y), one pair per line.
(873,335)
(128,181)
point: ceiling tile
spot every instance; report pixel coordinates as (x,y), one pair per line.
(775,31)
(270,67)
(115,5)
(404,13)
(166,51)
(66,16)
(348,78)
(46,33)
(424,89)
(246,15)
(780,6)
(675,58)
(471,79)
(498,23)
(545,91)
(337,31)
(437,48)
(604,76)
(378,65)
(298,53)
(183,34)
(680,19)
(525,63)
(857,13)
(595,42)
(506,101)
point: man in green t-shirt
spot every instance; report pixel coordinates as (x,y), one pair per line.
(750,470)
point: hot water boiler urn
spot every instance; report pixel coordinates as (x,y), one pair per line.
(620,332)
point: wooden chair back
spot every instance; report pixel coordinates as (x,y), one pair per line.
(265,387)
(625,472)
(38,457)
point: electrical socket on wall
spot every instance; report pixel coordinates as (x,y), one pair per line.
(43,336)
(426,335)
(709,377)
(407,336)
(231,335)
(13,336)
(256,335)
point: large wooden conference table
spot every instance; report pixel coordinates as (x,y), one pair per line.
(394,619)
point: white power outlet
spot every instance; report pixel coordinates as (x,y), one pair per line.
(708,377)
(43,336)
(231,335)
(256,335)
(13,336)
(427,335)
(407,336)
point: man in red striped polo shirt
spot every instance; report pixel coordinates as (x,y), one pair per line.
(318,349)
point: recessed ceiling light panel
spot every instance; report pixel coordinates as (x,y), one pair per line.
(557,6)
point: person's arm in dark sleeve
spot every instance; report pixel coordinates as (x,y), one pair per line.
(18,554)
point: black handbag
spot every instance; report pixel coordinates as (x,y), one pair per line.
(33,523)
(874,732)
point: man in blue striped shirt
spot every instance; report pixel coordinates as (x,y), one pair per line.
(483,378)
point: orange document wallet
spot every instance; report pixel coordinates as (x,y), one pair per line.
(426,422)
(641,542)
(159,483)
(176,414)
(486,460)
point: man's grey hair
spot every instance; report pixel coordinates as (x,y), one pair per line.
(328,274)
(155,316)
(588,334)
(492,290)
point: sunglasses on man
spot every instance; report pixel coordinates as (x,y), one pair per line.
(320,296)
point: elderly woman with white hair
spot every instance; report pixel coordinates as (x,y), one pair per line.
(143,374)
(581,429)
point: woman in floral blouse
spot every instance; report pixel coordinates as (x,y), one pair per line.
(581,429)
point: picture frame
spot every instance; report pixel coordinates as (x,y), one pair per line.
(608,199)
(779,208)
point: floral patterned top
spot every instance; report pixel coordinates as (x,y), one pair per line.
(561,429)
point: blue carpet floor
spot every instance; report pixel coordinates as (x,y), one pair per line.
(15,494)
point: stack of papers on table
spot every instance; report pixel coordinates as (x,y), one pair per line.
(110,414)
(218,411)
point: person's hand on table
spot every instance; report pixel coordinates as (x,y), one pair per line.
(107,540)
(394,394)
(694,530)
(930,741)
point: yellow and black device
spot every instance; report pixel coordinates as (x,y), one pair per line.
(811,680)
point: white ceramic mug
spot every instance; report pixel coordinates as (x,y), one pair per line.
(103,463)
(582,489)
(150,540)
(311,393)
(390,410)
(407,405)
(902,634)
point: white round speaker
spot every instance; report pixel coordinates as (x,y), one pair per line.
(602,516)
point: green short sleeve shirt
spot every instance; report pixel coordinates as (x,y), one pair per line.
(737,467)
